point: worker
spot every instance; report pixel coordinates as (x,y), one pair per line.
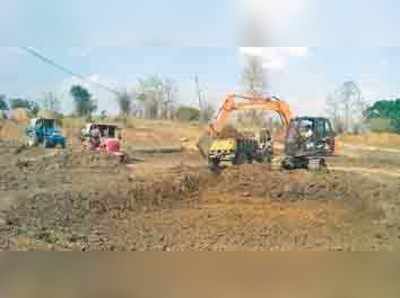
(95,136)
(106,132)
(307,132)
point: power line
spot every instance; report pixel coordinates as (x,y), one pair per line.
(51,62)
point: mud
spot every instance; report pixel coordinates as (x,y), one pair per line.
(69,200)
(228,131)
(262,210)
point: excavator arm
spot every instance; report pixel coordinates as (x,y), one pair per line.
(234,102)
(249,103)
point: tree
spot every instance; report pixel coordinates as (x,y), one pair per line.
(22,103)
(253,76)
(381,125)
(156,95)
(206,109)
(103,115)
(84,103)
(30,105)
(254,82)
(3,103)
(333,109)
(345,106)
(149,90)
(170,92)
(51,103)
(206,112)
(186,113)
(124,103)
(385,110)
(350,95)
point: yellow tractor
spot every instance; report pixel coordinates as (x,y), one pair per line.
(234,102)
(240,149)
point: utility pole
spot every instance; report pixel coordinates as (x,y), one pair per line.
(202,105)
(198,92)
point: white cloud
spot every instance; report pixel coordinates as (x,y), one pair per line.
(274,58)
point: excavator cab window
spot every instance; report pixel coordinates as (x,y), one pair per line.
(320,129)
(328,128)
(323,128)
(300,128)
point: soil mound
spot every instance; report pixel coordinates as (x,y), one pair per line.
(229,131)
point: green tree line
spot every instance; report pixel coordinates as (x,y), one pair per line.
(384,115)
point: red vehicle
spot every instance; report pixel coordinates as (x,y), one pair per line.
(104,138)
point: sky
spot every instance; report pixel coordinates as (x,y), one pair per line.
(308,47)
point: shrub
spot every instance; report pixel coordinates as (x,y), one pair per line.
(380,125)
(185,113)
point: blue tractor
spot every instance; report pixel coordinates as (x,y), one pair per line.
(44,132)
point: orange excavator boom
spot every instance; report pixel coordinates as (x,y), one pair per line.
(249,103)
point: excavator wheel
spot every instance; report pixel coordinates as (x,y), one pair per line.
(316,164)
(288,164)
(292,163)
(241,158)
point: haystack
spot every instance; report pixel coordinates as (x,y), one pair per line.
(20,116)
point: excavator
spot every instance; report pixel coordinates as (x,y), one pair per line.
(300,151)
(308,143)
(235,102)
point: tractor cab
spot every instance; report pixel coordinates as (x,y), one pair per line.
(102,137)
(107,131)
(308,139)
(44,124)
(44,131)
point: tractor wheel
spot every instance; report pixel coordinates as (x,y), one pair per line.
(260,159)
(46,144)
(32,142)
(213,164)
(124,158)
(240,159)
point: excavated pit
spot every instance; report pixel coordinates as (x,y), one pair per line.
(56,200)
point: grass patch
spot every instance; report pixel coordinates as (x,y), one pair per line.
(387,140)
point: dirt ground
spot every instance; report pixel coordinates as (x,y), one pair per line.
(70,200)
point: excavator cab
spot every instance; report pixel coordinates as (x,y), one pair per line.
(308,141)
